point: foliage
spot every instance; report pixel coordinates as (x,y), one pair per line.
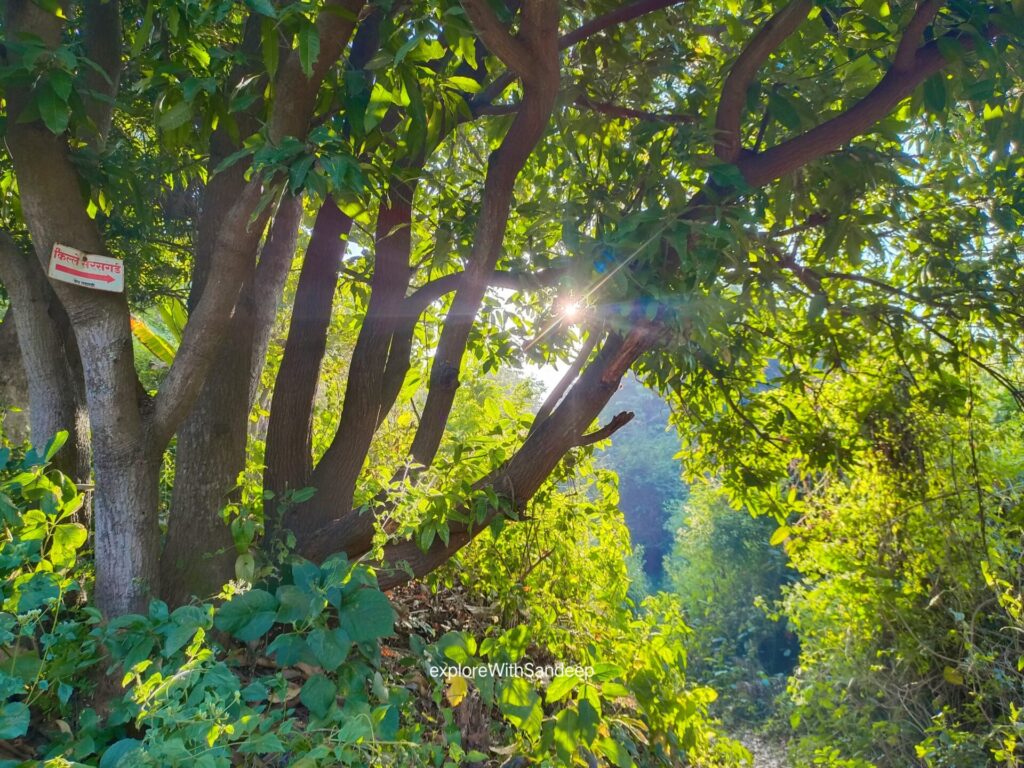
(904,599)
(290,668)
(643,458)
(895,485)
(622,699)
(728,578)
(188,695)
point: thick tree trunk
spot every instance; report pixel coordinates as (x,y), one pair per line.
(126,472)
(127,536)
(125,463)
(199,554)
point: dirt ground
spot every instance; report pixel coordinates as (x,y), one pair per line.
(767,752)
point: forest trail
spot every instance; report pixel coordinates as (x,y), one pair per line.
(768,751)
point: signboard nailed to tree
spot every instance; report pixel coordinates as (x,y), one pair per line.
(70,265)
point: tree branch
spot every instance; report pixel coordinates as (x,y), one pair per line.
(553,398)
(297,93)
(513,52)
(895,86)
(289,444)
(913,35)
(430,292)
(729,119)
(209,321)
(103,47)
(618,421)
(45,345)
(620,15)
(540,90)
(336,474)
(238,235)
(532,464)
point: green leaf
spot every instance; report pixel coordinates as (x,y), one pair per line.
(55,444)
(123,753)
(816,306)
(152,341)
(566,734)
(176,116)
(318,695)
(61,81)
(464,84)
(270,46)
(309,48)
(295,604)
(367,615)
(560,687)
(780,535)
(590,716)
(783,110)
(616,753)
(935,94)
(37,591)
(14,718)
(67,538)
(290,648)
(263,7)
(520,705)
(330,646)
(247,616)
(53,110)
(952,676)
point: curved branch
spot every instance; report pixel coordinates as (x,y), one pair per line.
(209,321)
(291,114)
(553,398)
(913,36)
(895,86)
(528,469)
(499,41)
(540,91)
(729,118)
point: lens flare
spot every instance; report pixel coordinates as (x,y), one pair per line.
(571,309)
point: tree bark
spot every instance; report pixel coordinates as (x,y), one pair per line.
(13,384)
(289,452)
(199,555)
(49,362)
(337,473)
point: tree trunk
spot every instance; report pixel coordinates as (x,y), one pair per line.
(127,536)
(13,384)
(55,392)
(199,553)
(289,454)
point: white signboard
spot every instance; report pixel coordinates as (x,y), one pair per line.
(70,265)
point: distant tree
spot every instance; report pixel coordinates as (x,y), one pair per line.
(650,476)
(672,167)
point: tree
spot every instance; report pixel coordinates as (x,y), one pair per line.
(650,162)
(650,477)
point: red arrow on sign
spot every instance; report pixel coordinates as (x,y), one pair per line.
(87,275)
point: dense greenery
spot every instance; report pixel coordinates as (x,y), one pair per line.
(296,463)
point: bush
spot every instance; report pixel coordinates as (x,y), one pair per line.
(290,670)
